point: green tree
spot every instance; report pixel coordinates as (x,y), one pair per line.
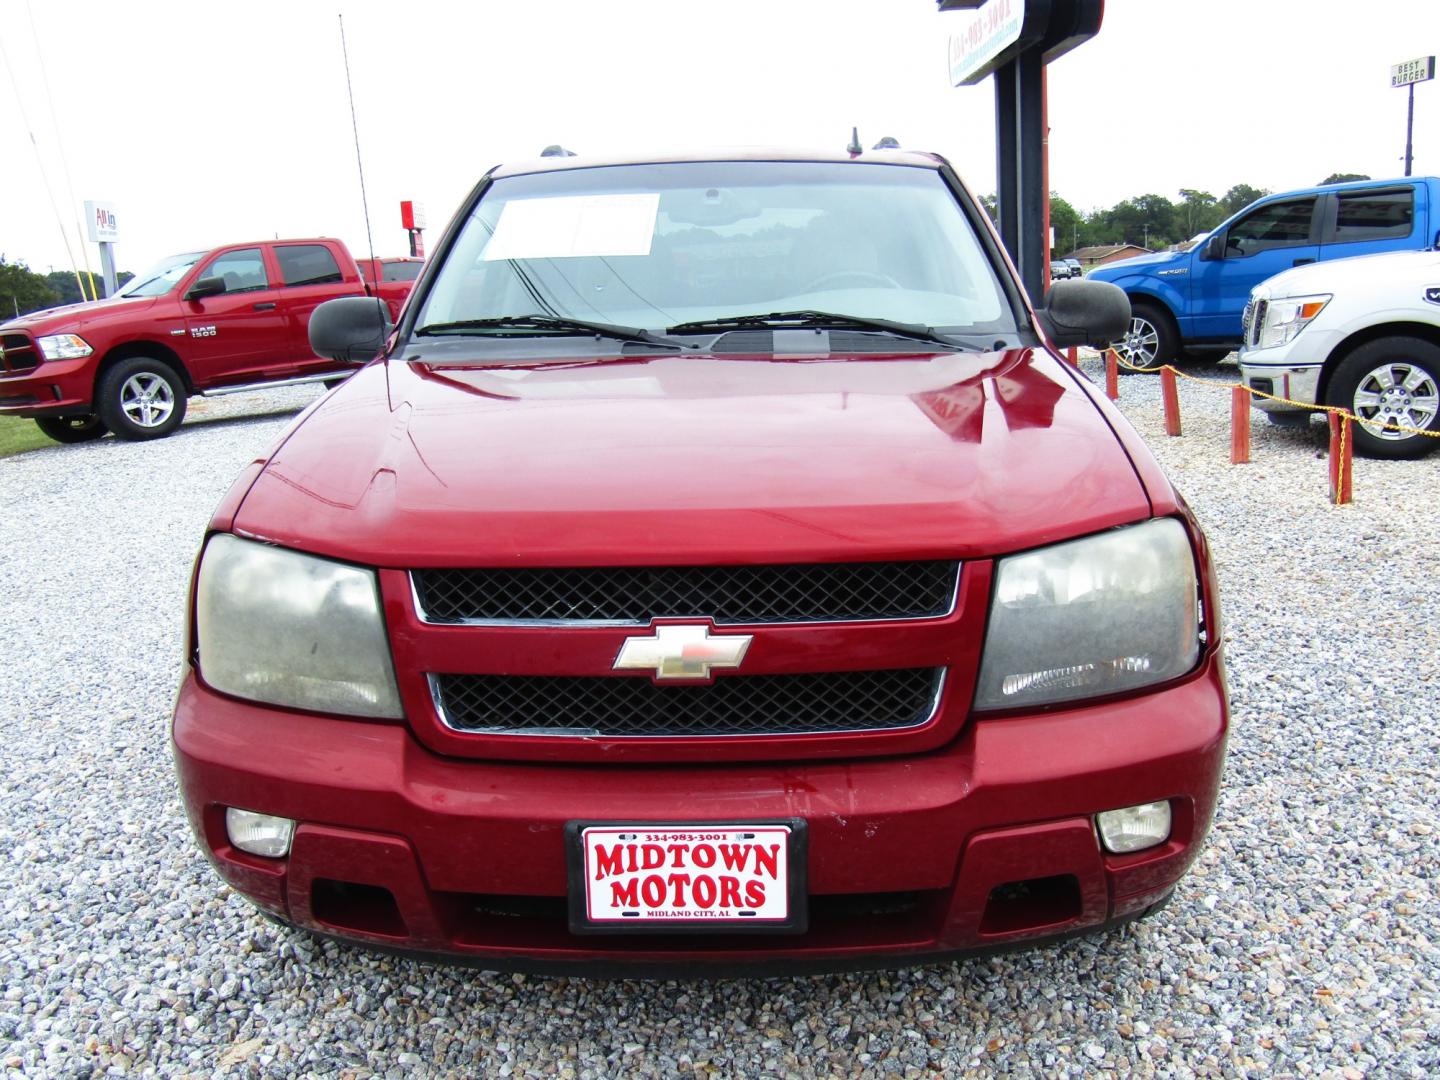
(1343,177)
(1239,197)
(1067,223)
(1099,228)
(63,284)
(1200,210)
(22,290)
(1147,220)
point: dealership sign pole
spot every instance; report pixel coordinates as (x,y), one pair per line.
(104,231)
(1013,40)
(1407,75)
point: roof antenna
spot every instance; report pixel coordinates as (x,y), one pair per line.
(889,142)
(355,127)
(855,149)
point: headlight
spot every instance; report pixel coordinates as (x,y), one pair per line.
(1102,615)
(64,347)
(1286,317)
(291,629)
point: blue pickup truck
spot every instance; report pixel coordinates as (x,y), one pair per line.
(1192,301)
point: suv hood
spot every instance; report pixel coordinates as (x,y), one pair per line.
(696,460)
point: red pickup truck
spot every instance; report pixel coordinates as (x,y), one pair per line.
(718,568)
(206,322)
(391,279)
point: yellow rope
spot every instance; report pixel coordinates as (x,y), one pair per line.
(1340,464)
(1335,409)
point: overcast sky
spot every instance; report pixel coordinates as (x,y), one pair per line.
(207,123)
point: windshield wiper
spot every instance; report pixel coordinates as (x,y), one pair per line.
(547,322)
(820,320)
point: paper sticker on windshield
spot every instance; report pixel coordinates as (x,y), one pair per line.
(575,225)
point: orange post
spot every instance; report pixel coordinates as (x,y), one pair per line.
(1073,355)
(1239,425)
(1112,375)
(1342,453)
(1171,396)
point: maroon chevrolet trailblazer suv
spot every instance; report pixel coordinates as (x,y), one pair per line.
(716,569)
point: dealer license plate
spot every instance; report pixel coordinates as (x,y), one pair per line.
(692,878)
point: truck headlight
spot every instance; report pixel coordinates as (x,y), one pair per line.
(1102,615)
(64,347)
(291,629)
(1287,316)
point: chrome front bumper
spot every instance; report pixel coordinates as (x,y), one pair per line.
(1298,384)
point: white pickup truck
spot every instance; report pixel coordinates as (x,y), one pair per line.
(1362,334)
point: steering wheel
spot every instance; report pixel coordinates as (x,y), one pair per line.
(826,280)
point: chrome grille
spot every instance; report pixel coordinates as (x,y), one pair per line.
(614,706)
(815,592)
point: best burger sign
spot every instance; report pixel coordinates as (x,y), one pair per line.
(634,875)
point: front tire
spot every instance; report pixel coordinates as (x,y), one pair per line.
(1152,341)
(141,398)
(1394,380)
(71,429)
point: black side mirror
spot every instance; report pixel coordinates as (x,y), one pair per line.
(1214,247)
(1084,312)
(206,286)
(352,329)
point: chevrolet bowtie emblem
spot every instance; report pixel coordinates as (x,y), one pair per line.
(682,652)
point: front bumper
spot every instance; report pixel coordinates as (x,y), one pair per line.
(1294,382)
(54,388)
(986,843)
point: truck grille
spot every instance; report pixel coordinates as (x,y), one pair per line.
(610,706)
(818,592)
(20,353)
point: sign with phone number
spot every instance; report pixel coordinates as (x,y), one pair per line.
(983,36)
(1412,71)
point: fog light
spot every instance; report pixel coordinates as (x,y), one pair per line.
(259,834)
(1135,827)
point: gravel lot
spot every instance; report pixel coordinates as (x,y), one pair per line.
(1303,944)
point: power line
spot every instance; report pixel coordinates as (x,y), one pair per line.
(60,146)
(40,161)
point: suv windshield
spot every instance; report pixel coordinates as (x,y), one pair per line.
(657,246)
(161,277)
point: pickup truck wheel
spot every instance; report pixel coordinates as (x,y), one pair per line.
(140,398)
(1392,380)
(71,429)
(1152,340)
